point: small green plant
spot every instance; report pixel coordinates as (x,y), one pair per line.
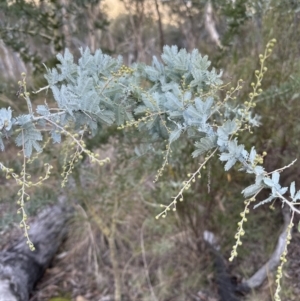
(178,96)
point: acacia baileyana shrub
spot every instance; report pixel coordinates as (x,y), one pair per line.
(175,96)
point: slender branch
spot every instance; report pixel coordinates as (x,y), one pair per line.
(290,204)
(41,89)
(186,186)
(47,117)
(283,168)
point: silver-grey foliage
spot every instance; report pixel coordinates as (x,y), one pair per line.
(175,96)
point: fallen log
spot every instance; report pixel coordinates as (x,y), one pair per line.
(21,268)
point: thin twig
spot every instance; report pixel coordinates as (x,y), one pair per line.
(41,89)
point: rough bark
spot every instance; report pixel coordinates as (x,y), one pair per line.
(21,268)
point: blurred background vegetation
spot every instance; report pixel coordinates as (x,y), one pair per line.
(116,246)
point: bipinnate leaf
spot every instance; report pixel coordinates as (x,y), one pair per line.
(251,190)
(223,132)
(152,73)
(235,152)
(297,196)
(173,102)
(56,136)
(28,138)
(292,189)
(252,155)
(204,145)
(269,182)
(204,106)
(274,182)
(42,110)
(175,134)
(5,119)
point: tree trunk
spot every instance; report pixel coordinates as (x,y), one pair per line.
(161,32)
(21,268)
